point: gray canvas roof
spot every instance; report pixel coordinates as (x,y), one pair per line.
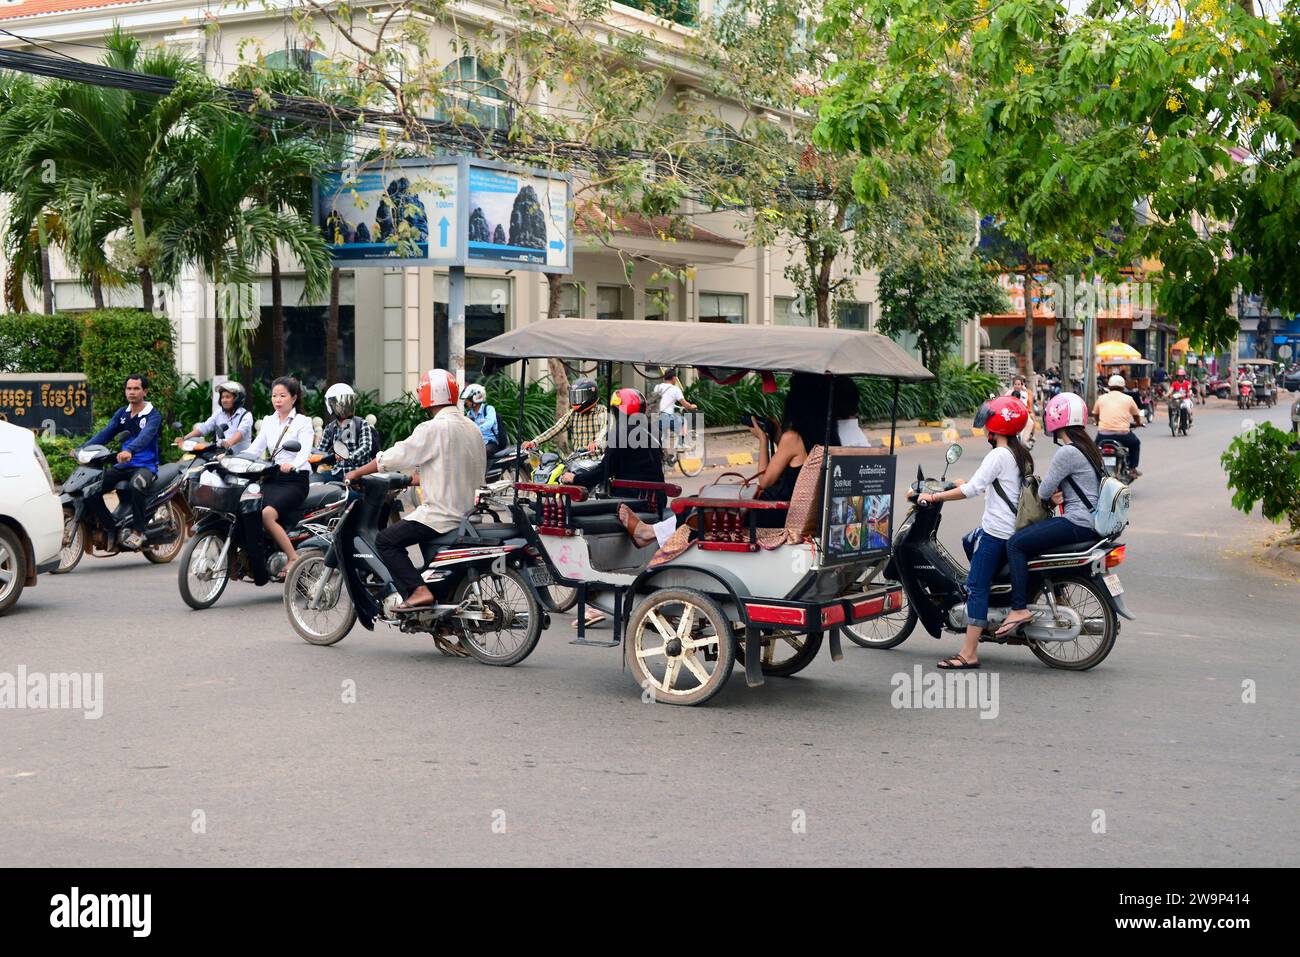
(723,345)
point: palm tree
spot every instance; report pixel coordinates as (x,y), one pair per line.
(221,165)
(119,140)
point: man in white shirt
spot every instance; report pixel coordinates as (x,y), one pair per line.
(670,394)
(446,453)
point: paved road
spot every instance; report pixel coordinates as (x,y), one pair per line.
(225,719)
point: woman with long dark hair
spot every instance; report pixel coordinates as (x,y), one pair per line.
(803,426)
(287,490)
(1073,481)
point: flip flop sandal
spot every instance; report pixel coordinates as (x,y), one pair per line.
(450,648)
(1007,632)
(964,666)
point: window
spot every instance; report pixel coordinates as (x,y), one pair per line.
(853,315)
(609,302)
(487,314)
(788,312)
(683,12)
(571,300)
(470,88)
(292,59)
(304,332)
(719,307)
(657,303)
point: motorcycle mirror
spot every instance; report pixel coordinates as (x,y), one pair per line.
(340,450)
(292,446)
(953,453)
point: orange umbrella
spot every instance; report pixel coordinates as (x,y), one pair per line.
(1117,350)
(1182,345)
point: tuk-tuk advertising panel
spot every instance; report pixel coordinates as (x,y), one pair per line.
(858,506)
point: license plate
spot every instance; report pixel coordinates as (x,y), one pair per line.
(539,576)
(1110,461)
(1113,585)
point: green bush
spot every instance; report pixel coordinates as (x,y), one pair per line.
(117,342)
(1261,469)
(58,452)
(959,389)
(33,342)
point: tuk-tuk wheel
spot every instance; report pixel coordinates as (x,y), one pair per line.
(680,648)
(785,653)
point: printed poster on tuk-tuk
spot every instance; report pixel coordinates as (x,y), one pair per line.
(857,521)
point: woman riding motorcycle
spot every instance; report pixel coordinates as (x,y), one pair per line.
(1000,474)
(485,417)
(1072,480)
(235,421)
(287,491)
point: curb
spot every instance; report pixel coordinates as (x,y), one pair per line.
(1280,554)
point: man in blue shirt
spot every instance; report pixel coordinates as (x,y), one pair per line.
(137,463)
(485,417)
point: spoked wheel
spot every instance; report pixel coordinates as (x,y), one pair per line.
(514,622)
(317,600)
(887,631)
(173,514)
(688,462)
(74,543)
(559,598)
(784,653)
(679,646)
(201,581)
(1100,627)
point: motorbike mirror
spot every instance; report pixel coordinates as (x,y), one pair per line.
(292,446)
(340,450)
(953,453)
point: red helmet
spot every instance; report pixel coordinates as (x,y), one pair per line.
(438,387)
(1005,415)
(629,400)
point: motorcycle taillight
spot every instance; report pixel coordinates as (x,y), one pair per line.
(1115,556)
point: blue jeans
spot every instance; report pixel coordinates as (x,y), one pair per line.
(1037,539)
(986,555)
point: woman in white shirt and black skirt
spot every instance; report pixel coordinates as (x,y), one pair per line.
(284,493)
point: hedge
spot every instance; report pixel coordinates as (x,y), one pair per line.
(106,345)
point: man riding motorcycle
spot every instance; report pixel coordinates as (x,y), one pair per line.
(446,452)
(346,427)
(584,424)
(232,422)
(137,463)
(485,417)
(1183,387)
(1116,414)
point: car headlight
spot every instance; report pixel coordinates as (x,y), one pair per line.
(45,466)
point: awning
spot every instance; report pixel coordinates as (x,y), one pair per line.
(718,345)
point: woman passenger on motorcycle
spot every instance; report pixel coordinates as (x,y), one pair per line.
(1075,469)
(1003,419)
(287,490)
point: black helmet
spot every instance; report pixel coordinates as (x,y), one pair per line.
(582,394)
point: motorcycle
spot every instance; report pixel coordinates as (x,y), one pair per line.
(229,541)
(1245,394)
(1076,596)
(482,592)
(83,531)
(506,465)
(1180,415)
(1114,456)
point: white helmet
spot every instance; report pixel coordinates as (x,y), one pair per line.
(1116,381)
(340,400)
(475,393)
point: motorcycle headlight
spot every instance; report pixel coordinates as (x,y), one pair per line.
(84,457)
(252,491)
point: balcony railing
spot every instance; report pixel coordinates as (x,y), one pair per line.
(685,13)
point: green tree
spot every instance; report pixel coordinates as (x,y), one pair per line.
(1102,134)
(932,304)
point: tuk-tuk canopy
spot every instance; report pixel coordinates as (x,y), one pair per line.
(1255,362)
(715,345)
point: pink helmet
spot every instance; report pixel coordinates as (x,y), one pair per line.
(1064,410)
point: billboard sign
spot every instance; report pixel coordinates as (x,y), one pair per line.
(446,211)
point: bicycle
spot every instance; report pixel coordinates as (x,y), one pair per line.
(682,446)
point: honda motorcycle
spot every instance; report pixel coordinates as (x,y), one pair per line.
(484,601)
(166,512)
(229,541)
(1245,394)
(1114,457)
(1180,416)
(1075,596)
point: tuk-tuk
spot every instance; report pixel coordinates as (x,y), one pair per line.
(723,587)
(1265,380)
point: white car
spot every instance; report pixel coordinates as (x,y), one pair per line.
(31,518)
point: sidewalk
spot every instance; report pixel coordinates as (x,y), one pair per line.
(727,445)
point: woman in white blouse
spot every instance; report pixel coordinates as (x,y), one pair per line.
(284,490)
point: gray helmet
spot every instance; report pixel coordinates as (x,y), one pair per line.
(235,389)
